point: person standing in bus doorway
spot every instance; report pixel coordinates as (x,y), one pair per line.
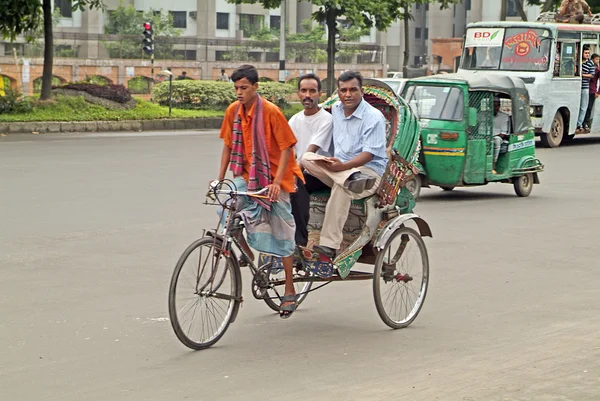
(587,73)
(572,11)
(589,115)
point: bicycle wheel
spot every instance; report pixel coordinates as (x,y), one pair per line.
(275,293)
(401,278)
(204,294)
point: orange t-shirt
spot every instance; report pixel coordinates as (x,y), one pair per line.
(279,136)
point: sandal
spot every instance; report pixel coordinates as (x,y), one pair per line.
(286,311)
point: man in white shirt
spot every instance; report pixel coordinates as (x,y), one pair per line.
(313,130)
(501,130)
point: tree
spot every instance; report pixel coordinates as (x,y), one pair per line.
(407,16)
(127,22)
(364,14)
(23,17)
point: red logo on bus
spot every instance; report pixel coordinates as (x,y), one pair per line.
(522,42)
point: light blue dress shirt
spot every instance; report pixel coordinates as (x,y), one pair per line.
(362,131)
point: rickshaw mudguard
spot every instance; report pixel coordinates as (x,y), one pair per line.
(398,222)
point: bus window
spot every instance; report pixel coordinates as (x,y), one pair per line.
(556,71)
(568,59)
(507,49)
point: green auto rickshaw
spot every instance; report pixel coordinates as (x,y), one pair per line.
(465,122)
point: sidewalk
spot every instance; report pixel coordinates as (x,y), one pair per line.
(42,127)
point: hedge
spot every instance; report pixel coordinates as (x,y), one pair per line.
(191,94)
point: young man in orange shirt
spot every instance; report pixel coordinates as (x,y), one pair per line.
(258,149)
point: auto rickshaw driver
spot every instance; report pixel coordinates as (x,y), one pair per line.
(501,130)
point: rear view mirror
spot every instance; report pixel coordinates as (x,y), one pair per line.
(472,116)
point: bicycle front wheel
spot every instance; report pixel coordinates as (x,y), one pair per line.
(400,278)
(204,294)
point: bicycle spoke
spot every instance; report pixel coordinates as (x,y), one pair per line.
(200,320)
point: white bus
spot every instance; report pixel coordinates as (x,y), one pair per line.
(547,56)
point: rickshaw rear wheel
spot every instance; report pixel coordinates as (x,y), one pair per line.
(401,278)
(273,296)
(554,138)
(523,185)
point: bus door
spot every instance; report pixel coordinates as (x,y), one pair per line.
(590,39)
(566,78)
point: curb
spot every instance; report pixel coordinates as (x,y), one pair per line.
(42,127)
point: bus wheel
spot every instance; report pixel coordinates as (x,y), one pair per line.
(553,138)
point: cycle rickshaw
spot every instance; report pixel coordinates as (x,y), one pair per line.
(206,287)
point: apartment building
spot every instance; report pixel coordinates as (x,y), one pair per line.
(430,22)
(211,29)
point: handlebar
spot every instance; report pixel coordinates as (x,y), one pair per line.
(215,184)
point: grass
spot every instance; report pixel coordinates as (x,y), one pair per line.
(69,108)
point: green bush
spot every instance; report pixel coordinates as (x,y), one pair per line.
(13,102)
(190,94)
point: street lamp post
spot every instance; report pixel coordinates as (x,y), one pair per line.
(170,74)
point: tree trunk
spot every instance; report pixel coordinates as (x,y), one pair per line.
(331,30)
(48,50)
(406,43)
(521,9)
(503,5)
(547,5)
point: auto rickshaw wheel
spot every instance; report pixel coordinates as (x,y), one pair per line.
(554,138)
(414,186)
(523,185)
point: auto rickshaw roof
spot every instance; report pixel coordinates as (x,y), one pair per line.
(512,86)
(480,82)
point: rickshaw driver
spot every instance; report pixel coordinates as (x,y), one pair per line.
(258,149)
(359,159)
(501,130)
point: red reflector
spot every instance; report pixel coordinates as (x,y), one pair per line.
(449,136)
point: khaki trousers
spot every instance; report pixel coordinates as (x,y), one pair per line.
(338,206)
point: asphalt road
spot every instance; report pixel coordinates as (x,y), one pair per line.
(92,225)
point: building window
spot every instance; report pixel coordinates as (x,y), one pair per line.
(275,22)
(65,7)
(251,23)
(426,33)
(418,6)
(468,5)
(184,54)
(179,19)
(221,55)
(254,56)
(222,20)
(417,33)
(511,9)
(271,57)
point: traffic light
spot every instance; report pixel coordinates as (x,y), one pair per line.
(148,40)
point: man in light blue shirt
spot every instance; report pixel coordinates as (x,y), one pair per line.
(359,158)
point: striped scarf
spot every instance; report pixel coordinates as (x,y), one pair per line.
(260,170)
